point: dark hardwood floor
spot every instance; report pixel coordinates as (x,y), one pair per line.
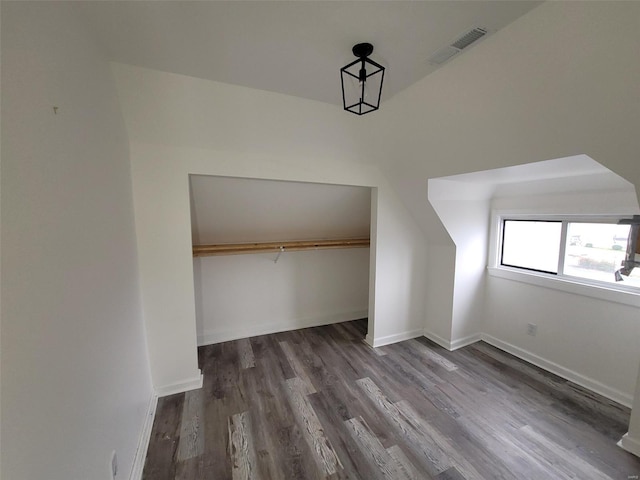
(319,403)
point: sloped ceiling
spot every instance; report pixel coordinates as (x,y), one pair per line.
(295,48)
(240,210)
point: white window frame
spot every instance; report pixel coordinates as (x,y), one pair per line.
(618,293)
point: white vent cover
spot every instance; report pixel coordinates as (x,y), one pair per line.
(462,42)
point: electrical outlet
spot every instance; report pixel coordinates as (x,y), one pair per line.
(532,329)
(114,465)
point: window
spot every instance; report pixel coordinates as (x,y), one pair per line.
(532,245)
(596,253)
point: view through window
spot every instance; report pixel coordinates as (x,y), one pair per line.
(597,252)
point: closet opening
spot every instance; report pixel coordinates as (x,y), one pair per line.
(272,256)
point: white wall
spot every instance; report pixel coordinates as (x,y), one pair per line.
(75,374)
(439,293)
(589,340)
(180,126)
(239,296)
(463,209)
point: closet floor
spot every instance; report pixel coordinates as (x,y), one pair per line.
(320,403)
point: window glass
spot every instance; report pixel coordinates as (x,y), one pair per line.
(595,250)
(534,245)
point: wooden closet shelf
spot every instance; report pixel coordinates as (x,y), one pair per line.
(240,248)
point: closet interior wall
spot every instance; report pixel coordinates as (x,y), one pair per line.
(248,294)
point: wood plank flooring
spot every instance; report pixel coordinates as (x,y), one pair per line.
(321,404)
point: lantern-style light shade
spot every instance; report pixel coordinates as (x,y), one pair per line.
(362,82)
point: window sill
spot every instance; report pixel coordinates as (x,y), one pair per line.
(567,285)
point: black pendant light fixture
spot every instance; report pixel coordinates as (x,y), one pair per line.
(362,81)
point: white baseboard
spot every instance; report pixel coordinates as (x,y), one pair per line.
(463,342)
(566,373)
(143,441)
(395,338)
(145,434)
(444,343)
(575,377)
(185,386)
(630,444)
(454,344)
(211,337)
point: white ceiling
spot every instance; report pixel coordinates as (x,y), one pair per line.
(290,47)
(578,173)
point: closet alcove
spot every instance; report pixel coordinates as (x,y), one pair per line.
(271,256)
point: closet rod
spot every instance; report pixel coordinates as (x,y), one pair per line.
(267,247)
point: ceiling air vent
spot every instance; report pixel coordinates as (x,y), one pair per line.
(457,46)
